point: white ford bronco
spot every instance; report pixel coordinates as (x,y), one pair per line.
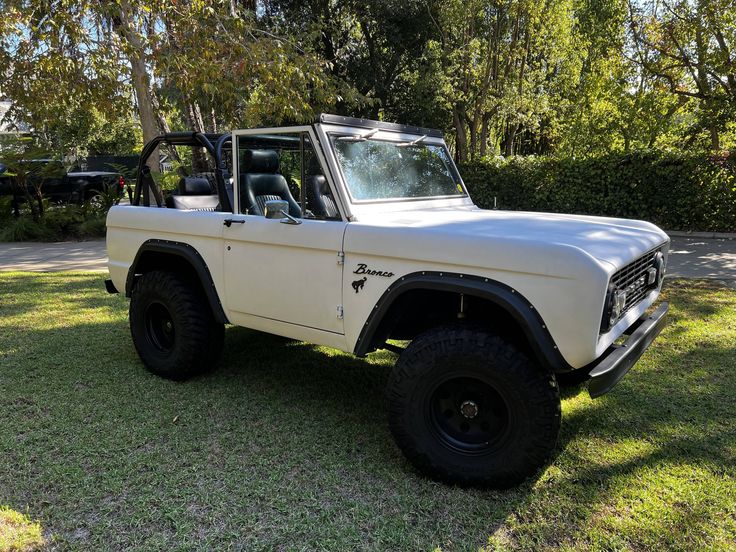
(360,235)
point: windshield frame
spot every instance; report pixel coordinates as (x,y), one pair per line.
(385,135)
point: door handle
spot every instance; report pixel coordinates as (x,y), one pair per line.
(229,222)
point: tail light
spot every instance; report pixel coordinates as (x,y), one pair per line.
(121,183)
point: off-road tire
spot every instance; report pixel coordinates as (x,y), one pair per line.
(172,326)
(516,405)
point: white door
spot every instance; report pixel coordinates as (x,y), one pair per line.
(284,272)
(287,273)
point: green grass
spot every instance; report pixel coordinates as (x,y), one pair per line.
(286,445)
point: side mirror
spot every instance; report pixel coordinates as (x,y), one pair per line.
(279,209)
(276,209)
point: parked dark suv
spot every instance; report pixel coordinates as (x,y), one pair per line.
(59,186)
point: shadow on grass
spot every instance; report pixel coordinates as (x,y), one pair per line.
(286,445)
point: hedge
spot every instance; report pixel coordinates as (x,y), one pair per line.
(676,191)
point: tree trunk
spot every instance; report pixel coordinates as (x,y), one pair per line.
(21,182)
(213,120)
(473,138)
(510,138)
(461,151)
(484,134)
(141,80)
(196,123)
(715,140)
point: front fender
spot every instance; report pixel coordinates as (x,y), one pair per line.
(507,298)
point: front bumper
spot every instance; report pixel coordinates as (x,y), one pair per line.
(618,359)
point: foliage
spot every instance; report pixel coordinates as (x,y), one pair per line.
(615,105)
(25,214)
(87,131)
(60,71)
(505,69)
(689,46)
(191,57)
(263,454)
(571,78)
(60,222)
(677,191)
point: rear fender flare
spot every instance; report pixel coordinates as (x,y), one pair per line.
(191,256)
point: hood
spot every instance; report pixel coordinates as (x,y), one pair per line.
(612,241)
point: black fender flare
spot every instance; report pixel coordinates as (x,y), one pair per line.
(190,255)
(523,312)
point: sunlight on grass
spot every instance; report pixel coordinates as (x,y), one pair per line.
(286,444)
(18,533)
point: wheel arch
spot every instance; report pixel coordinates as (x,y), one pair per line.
(504,299)
(167,255)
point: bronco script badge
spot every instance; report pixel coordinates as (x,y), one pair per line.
(363,269)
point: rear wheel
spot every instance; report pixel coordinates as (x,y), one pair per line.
(172,326)
(467,407)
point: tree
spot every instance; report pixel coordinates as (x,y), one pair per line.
(176,57)
(689,46)
(505,67)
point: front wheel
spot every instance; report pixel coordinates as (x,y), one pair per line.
(467,407)
(172,326)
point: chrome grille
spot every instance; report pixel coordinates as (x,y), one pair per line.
(633,278)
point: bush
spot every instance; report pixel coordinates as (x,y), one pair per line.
(25,229)
(677,191)
(60,222)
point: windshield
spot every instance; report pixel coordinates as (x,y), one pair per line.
(383,170)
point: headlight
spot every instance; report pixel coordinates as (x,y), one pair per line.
(618,304)
(659,265)
(615,305)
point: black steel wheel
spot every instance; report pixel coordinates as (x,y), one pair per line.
(172,326)
(468,415)
(160,329)
(467,407)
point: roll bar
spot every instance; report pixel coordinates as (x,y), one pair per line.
(145,183)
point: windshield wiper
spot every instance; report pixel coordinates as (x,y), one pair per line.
(358,137)
(412,143)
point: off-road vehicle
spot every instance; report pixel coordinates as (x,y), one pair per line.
(360,235)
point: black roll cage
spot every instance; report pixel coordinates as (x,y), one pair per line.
(145,184)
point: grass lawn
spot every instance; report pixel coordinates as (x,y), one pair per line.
(286,445)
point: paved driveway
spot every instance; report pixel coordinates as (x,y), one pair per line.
(52,257)
(713,259)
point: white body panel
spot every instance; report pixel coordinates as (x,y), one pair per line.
(128,227)
(287,279)
(283,272)
(560,263)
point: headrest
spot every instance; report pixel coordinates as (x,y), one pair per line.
(260,161)
(194,185)
(313,166)
(320,184)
